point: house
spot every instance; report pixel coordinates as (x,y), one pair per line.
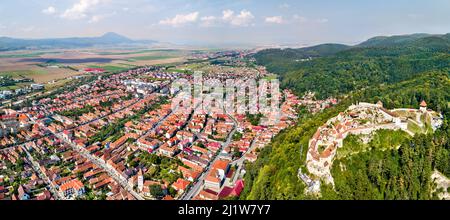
(171,132)
(37,86)
(213,146)
(94,70)
(207,195)
(119,142)
(173,141)
(44,195)
(251,157)
(149,145)
(67,135)
(72,189)
(180,185)
(167,151)
(232,192)
(22,194)
(216,177)
(168,197)
(189,174)
(222,167)
(183,144)
(200,150)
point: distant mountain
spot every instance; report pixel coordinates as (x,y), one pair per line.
(392,40)
(107,40)
(306,52)
(373,47)
(337,69)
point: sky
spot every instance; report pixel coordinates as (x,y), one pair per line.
(255,22)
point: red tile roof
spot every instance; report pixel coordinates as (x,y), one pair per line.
(181,184)
(75,184)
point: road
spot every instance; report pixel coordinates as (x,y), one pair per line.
(240,161)
(111,171)
(56,193)
(156,126)
(97,161)
(194,190)
(85,123)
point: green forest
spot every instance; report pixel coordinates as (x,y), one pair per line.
(337,70)
(400,75)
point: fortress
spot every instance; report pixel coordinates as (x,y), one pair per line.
(362,118)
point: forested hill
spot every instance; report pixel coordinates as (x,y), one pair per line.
(390,174)
(337,69)
(400,74)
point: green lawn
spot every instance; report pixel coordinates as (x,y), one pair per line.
(24,73)
(111,68)
(414,128)
(2,88)
(57,84)
(135,52)
(381,140)
(271,77)
(26,55)
(151,57)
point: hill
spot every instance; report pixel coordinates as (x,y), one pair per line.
(392,40)
(343,69)
(400,72)
(376,174)
(108,39)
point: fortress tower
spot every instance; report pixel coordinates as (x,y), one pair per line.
(423,106)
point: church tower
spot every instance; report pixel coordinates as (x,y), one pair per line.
(140,180)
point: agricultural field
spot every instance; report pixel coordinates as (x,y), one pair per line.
(49,66)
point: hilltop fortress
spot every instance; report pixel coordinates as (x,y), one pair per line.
(361,118)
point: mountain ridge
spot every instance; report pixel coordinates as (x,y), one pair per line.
(107,39)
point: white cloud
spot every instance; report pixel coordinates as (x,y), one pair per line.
(244,18)
(227,15)
(49,11)
(274,20)
(180,19)
(80,9)
(96,18)
(208,21)
(299,18)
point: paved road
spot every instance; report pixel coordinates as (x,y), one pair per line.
(194,190)
(156,126)
(240,161)
(85,123)
(97,161)
(56,193)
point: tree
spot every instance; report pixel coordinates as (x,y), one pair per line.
(156,191)
(172,192)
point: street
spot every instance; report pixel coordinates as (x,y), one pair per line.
(194,190)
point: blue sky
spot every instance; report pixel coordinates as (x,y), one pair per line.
(226,21)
